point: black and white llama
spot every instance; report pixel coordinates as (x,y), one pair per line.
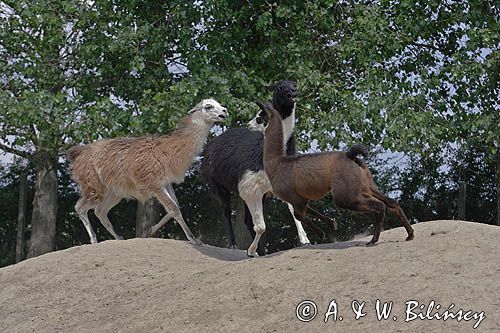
(232,162)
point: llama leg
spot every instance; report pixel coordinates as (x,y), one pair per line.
(398,211)
(299,212)
(171,192)
(372,205)
(154,229)
(321,234)
(379,220)
(82,207)
(250,226)
(299,206)
(224,198)
(173,211)
(256,210)
(300,230)
(323,218)
(102,209)
(248,219)
(251,188)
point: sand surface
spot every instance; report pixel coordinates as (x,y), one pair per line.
(161,285)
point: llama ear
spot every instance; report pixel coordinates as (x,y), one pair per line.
(261,105)
(266,107)
(197,107)
(270,86)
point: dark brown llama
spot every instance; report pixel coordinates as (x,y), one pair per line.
(298,179)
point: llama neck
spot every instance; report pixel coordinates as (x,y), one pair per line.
(195,130)
(184,144)
(273,138)
(288,119)
(288,126)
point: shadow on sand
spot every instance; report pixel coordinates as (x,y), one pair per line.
(238,255)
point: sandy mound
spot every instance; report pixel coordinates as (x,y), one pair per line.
(158,285)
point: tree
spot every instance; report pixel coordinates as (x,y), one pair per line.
(21,217)
(147,214)
(408,76)
(415,77)
(10,185)
(75,72)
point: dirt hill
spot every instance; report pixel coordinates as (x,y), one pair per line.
(160,285)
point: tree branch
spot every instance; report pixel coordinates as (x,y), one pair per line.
(15,151)
(432,47)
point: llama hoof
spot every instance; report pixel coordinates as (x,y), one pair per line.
(196,242)
(252,255)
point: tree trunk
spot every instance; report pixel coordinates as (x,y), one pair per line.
(21,218)
(462,200)
(147,214)
(498,186)
(43,218)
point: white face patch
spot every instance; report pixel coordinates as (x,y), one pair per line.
(208,111)
(213,111)
(258,123)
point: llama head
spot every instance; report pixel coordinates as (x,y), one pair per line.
(259,122)
(268,110)
(284,93)
(210,111)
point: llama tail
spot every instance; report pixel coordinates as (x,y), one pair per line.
(357,150)
(74,152)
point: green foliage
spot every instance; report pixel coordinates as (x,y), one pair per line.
(429,185)
(8,214)
(376,72)
(402,75)
(9,201)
